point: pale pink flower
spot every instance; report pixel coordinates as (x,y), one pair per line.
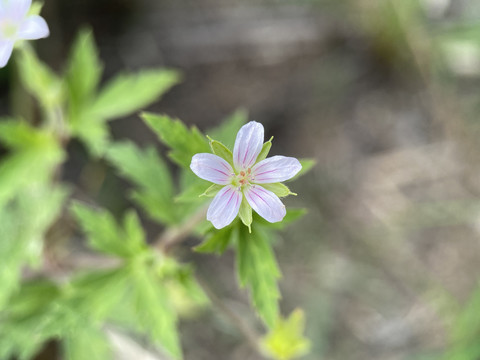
(16,25)
(242,181)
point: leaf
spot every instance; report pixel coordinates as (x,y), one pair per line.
(104,234)
(197,192)
(84,71)
(278,189)
(183,142)
(154,312)
(39,80)
(307,165)
(257,269)
(286,341)
(93,131)
(147,170)
(218,241)
(87,343)
(23,222)
(131,92)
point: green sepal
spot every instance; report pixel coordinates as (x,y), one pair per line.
(245,214)
(212,190)
(221,150)
(265,150)
(278,189)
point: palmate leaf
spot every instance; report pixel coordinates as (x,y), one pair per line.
(84,71)
(183,142)
(153,311)
(227,131)
(87,343)
(106,236)
(257,269)
(130,92)
(146,169)
(39,79)
(90,108)
(23,223)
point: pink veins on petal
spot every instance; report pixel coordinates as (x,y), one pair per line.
(242,180)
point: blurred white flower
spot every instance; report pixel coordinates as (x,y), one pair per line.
(16,25)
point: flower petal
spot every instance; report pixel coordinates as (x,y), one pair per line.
(275,169)
(265,203)
(34,27)
(224,207)
(248,145)
(18,9)
(212,168)
(6,48)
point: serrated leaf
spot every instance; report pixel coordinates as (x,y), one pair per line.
(183,142)
(131,92)
(105,235)
(257,269)
(146,169)
(93,132)
(23,223)
(286,341)
(87,343)
(154,312)
(39,80)
(217,242)
(278,189)
(84,70)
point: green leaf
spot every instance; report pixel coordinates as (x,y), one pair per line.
(131,92)
(183,142)
(87,343)
(147,170)
(104,234)
(84,70)
(278,189)
(245,214)
(286,341)
(23,223)
(39,80)
(265,150)
(93,131)
(257,269)
(218,241)
(221,150)
(154,312)
(197,192)
(227,131)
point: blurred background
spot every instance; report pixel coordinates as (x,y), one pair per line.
(383,94)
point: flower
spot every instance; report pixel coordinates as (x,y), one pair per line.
(242,180)
(16,25)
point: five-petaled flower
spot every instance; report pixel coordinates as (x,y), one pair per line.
(16,25)
(242,180)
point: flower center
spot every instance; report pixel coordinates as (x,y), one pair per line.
(244,177)
(8,29)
